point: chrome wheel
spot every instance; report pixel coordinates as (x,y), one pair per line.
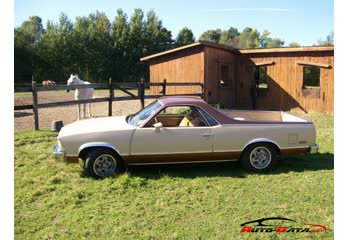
(104,165)
(260,157)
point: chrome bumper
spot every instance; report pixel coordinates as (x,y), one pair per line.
(314,148)
(58,154)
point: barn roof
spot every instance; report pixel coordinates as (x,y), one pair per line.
(199,43)
(286,49)
(243,51)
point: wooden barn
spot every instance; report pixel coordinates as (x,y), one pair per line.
(288,79)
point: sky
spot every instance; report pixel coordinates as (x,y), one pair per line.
(302,21)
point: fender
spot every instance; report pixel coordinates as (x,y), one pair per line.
(96,144)
(259,140)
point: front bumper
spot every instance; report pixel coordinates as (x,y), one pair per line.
(58,154)
(314,148)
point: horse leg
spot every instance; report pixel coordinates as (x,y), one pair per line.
(84,111)
(78,112)
(89,110)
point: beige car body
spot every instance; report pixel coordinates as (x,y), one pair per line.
(226,140)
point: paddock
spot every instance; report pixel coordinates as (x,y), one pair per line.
(37,106)
(23,119)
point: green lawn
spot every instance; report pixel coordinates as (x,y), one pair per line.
(53,200)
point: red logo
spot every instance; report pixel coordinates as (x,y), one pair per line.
(280,225)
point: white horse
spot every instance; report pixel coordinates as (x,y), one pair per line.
(80,94)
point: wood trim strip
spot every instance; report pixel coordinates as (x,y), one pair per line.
(294,151)
(181,157)
(314,64)
(265,63)
(71,159)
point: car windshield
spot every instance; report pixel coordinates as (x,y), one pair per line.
(142,115)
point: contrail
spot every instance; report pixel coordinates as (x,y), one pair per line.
(247,10)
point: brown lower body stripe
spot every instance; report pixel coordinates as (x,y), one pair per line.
(181,157)
(294,151)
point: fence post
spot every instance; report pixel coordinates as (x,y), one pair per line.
(35,104)
(202,89)
(164,87)
(111,97)
(142,92)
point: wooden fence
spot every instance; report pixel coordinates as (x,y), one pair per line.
(34,88)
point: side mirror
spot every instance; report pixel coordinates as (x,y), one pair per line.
(157,126)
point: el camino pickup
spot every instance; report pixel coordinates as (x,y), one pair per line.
(182,130)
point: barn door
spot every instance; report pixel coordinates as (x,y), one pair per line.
(225,83)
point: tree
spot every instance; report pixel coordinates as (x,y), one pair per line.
(121,42)
(230,37)
(211,35)
(267,42)
(294,44)
(249,38)
(329,41)
(26,42)
(184,37)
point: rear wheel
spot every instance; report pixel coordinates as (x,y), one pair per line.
(258,157)
(102,163)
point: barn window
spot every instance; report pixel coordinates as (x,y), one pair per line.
(311,77)
(261,77)
(224,76)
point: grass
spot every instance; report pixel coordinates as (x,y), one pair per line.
(53,200)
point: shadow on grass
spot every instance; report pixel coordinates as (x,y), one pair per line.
(300,163)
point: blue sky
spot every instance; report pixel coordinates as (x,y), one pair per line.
(304,21)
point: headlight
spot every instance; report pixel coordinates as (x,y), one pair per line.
(60,145)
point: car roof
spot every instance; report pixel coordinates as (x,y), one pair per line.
(170,100)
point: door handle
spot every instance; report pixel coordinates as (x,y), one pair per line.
(206,135)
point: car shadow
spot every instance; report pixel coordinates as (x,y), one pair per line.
(299,163)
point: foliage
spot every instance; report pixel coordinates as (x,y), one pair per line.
(184,37)
(329,41)
(96,48)
(294,44)
(311,77)
(211,35)
(92,47)
(248,38)
(195,201)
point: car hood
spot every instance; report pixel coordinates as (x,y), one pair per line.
(93,125)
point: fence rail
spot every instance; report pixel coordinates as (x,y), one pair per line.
(34,88)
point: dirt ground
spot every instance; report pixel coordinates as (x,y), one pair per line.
(24,119)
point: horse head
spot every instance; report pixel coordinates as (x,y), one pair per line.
(73,80)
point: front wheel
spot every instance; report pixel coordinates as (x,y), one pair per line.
(102,163)
(258,157)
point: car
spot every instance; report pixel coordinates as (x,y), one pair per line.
(184,130)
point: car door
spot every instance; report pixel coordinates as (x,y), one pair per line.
(174,142)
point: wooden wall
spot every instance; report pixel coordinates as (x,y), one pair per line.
(285,90)
(182,66)
(214,92)
(201,63)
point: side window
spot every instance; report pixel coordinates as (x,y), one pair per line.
(311,77)
(178,116)
(211,121)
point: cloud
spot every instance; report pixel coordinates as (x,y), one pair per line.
(247,10)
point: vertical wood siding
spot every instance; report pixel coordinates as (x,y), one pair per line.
(285,88)
(182,66)
(201,64)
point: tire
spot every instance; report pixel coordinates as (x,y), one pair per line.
(259,157)
(102,162)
